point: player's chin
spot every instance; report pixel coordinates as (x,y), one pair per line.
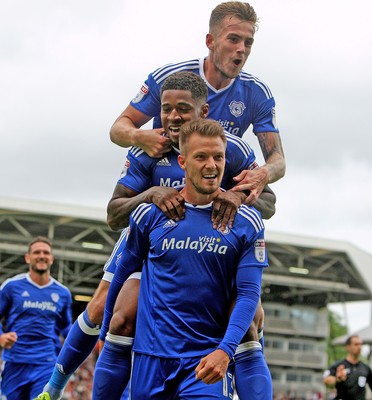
(210,188)
(235,73)
(42,268)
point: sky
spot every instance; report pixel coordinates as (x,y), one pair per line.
(69,68)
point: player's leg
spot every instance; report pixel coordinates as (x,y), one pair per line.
(38,376)
(113,367)
(250,365)
(79,342)
(85,331)
(15,381)
(252,375)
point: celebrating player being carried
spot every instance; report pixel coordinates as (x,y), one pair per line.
(191,274)
(183,99)
(237,99)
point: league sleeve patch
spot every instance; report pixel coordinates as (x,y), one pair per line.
(273,114)
(125,169)
(141,94)
(259,250)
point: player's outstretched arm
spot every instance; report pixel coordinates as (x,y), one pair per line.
(126,132)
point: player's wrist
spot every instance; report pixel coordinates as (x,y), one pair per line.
(265,169)
(137,137)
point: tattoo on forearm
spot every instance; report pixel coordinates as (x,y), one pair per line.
(270,144)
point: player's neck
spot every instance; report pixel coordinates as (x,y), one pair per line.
(40,279)
(214,76)
(193,197)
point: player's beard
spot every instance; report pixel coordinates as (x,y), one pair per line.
(205,189)
(39,271)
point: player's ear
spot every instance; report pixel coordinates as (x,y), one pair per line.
(181,161)
(204,110)
(27,258)
(209,41)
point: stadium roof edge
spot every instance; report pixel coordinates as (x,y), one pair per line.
(99,214)
(51,208)
(313,241)
(360,258)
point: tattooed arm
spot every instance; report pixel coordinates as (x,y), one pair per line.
(273,169)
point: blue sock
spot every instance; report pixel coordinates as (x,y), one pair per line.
(79,343)
(113,368)
(252,375)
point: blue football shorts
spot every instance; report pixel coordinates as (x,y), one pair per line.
(163,378)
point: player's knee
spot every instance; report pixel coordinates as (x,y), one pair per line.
(123,325)
(95,310)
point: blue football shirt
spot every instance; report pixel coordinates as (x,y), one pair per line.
(245,101)
(36,313)
(191,273)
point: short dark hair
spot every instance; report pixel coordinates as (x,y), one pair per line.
(186,81)
(41,239)
(238,9)
(349,339)
(204,127)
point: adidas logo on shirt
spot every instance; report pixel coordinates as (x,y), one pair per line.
(25,294)
(169,224)
(164,162)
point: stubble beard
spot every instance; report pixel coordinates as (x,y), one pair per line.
(39,271)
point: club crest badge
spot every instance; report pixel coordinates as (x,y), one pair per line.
(237,108)
(55,297)
(226,231)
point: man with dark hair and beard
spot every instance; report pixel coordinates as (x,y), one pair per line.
(35,309)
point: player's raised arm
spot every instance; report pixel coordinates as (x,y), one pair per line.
(126,132)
